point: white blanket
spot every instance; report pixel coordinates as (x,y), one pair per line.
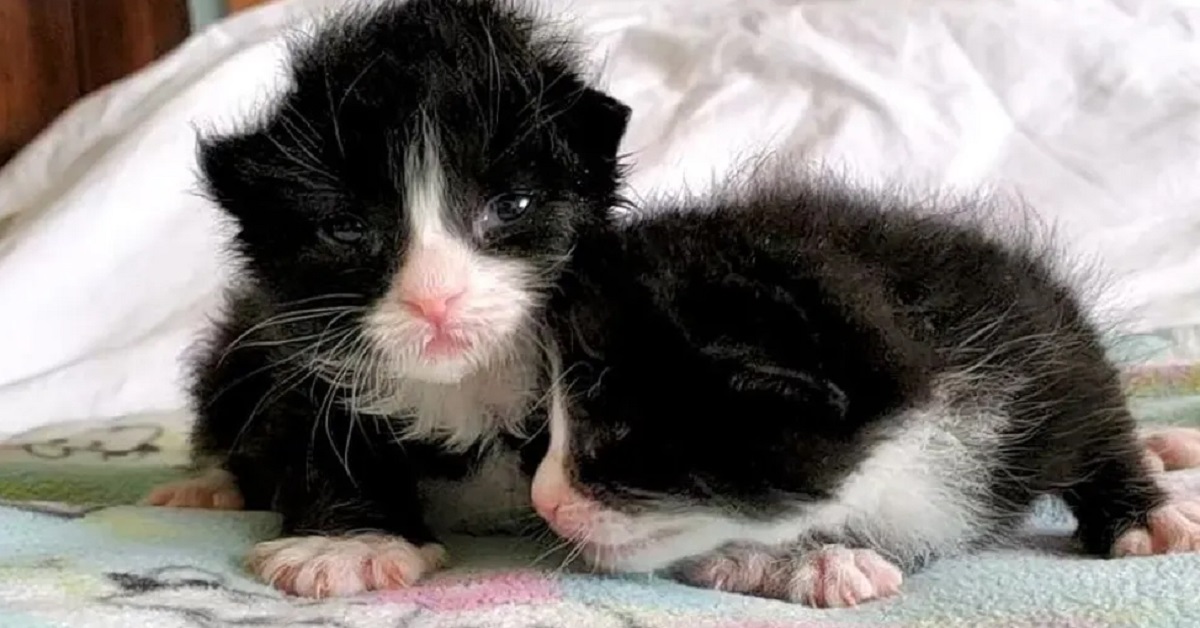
(110,260)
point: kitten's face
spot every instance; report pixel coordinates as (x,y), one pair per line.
(423,177)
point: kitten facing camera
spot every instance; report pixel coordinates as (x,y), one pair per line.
(804,392)
(401,214)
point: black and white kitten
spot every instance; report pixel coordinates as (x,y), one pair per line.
(802,392)
(401,213)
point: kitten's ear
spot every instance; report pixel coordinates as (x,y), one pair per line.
(818,397)
(785,391)
(596,124)
(225,169)
(234,169)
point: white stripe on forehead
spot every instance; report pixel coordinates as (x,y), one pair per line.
(425,189)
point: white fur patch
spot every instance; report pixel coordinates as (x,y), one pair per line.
(550,485)
(215,488)
(321,566)
(483,383)
(474,410)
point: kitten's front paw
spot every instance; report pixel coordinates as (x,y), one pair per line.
(748,570)
(836,576)
(1171,448)
(833,576)
(215,489)
(1171,528)
(339,566)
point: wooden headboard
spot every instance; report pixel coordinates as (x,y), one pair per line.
(54,52)
(238,5)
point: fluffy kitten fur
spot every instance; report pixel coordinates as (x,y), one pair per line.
(786,371)
(399,213)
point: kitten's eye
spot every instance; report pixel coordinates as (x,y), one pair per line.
(507,208)
(344,229)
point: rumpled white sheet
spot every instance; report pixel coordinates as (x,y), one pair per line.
(109,260)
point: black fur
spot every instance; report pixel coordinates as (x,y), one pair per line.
(315,190)
(744,353)
(744,359)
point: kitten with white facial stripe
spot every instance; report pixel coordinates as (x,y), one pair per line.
(400,215)
(803,392)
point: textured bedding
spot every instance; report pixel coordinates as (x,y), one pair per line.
(110,265)
(144,567)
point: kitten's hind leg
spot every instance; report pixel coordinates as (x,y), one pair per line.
(214,488)
(1123,511)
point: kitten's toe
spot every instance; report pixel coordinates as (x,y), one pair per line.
(748,571)
(1173,448)
(836,576)
(215,489)
(323,566)
(1153,462)
(1171,528)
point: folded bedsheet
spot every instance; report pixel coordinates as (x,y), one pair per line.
(73,553)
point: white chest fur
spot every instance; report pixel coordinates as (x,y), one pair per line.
(472,411)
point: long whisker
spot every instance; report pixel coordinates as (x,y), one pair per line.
(326,410)
(576,550)
(290,318)
(557,547)
(287,383)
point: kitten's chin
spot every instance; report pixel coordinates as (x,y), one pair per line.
(445,371)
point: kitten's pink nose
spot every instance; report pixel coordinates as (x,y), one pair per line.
(571,519)
(433,308)
(546,509)
(566,511)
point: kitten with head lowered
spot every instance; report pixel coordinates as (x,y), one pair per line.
(401,214)
(804,392)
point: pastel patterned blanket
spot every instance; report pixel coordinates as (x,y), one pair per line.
(128,566)
(107,564)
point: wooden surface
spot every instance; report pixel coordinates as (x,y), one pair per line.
(238,5)
(116,37)
(38,77)
(53,52)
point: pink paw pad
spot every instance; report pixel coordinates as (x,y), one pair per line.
(323,566)
(836,576)
(1171,528)
(215,489)
(1172,448)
